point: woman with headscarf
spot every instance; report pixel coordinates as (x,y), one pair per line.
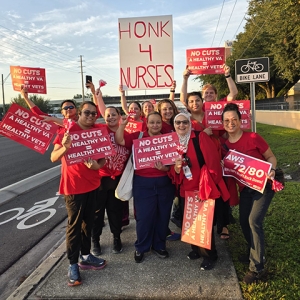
(198,169)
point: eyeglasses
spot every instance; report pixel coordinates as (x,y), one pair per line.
(184,122)
(68,107)
(88,112)
(233,121)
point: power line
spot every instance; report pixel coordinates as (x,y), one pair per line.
(239,26)
(218,23)
(267,19)
(228,22)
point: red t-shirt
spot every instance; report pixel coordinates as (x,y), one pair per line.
(167,128)
(115,165)
(148,172)
(38,112)
(76,179)
(250,143)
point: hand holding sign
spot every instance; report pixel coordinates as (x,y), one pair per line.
(68,124)
(102,83)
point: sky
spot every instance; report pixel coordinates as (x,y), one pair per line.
(54,34)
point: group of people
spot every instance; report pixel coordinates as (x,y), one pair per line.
(89,187)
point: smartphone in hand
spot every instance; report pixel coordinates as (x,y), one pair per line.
(88,79)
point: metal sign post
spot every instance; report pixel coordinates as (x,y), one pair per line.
(252,70)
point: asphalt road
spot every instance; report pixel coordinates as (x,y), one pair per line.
(18,162)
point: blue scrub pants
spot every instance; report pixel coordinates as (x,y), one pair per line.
(153,199)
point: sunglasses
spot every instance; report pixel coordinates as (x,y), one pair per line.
(88,112)
(184,122)
(68,107)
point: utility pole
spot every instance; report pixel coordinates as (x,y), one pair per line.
(3,99)
(82,82)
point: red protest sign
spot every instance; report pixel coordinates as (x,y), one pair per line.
(206,60)
(22,126)
(148,150)
(133,126)
(34,79)
(93,143)
(213,113)
(197,220)
(249,170)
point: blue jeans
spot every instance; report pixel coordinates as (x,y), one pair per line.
(253,208)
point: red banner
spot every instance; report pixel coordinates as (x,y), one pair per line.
(198,218)
(147,151)
(206,60)
(34,79)
(92,143)
(249,170)
(133,126)
(213,113)
(21,125)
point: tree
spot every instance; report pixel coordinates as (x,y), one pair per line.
(272,30)
(40,102)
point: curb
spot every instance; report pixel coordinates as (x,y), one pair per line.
(9,192)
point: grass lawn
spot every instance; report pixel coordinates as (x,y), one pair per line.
(282,225)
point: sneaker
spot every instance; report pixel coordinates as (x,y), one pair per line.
(207,264)
(193,255)
(161,253)
(74,275)
(173,236)
(92,262)
(96,248)
(138,256)
(177,222)
(253,277)
(117,245)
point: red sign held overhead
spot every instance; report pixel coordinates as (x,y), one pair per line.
(213,113)
(249,170)
(22,126)
(93,143)
(206,60)
(163,148)
(34,79)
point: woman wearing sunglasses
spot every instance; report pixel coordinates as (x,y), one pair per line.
(153,194)
(199,161)
(79,184)
(68,108)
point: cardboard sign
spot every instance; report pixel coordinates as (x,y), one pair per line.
(197,220)
(206,60)
(92,143)
(34,79)
(213,114)
(133,126)
(146,52)
(147,151)
(21,125)
(249,170)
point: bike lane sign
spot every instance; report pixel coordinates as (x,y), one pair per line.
(252,70)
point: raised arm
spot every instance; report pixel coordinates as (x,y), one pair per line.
(97,98)
(172,90)
(123,100)
(24,93)
(119,135)
(183,92)
(233,91)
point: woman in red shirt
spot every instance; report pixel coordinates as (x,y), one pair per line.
(79,184)
(153,194)
(253,204)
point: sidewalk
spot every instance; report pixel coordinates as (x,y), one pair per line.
(176,277)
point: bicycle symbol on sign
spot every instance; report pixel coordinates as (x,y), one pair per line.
(254,66)
(38,208)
